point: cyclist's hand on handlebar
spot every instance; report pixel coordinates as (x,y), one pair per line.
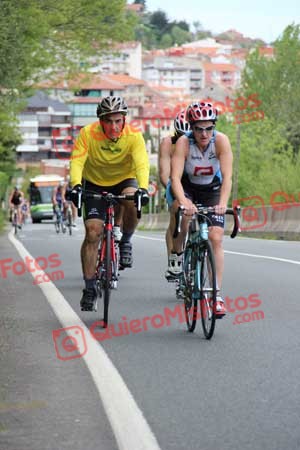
(143,193)
(189,207)
(76,190)
(220,209)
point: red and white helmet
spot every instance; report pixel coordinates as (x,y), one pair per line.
(181,125)
(201,111)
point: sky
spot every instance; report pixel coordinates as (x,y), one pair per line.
(263,19)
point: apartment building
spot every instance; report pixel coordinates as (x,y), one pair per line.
(125,59)
(45,128)
(177,72)
(226,75)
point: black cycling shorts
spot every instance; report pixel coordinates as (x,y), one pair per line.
(202,195)
(95,209)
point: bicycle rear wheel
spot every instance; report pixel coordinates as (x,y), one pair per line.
(208,291)
(15,223)
(190,285)
(69,221)
(107,279)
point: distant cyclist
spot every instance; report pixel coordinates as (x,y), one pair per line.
(108,156)
(202,173)
(24,210)
(67,195)
(58,198)
(166,150)
(15,201)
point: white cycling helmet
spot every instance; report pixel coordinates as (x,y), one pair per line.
(112,104)
(181,125)
(201,111)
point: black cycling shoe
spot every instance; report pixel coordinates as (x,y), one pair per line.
(125,255)
(88,301)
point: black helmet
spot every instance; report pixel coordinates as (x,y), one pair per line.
(109,105)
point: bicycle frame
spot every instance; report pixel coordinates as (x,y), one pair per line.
(107,270)
(108,227)
(198,282)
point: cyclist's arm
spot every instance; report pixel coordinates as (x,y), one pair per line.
(164,156)
(224,154)
(78,157)
(54,202)
(141,161)
(10,199)
(177,166)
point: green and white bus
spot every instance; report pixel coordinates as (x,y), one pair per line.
(40,196)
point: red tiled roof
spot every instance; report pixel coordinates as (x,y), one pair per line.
(266,51)
(86,100)
(125,79)
(209,67)
(84,81)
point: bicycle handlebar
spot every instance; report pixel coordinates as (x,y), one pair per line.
(204,210)
(109,197)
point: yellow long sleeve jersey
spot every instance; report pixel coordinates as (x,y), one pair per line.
(106,163)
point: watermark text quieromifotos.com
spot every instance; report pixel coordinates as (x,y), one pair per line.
(32,265)
(71,343)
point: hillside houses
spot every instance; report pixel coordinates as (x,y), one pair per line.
(152,82)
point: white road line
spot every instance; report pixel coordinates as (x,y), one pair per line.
(130,428)
(252,255)
(290,261)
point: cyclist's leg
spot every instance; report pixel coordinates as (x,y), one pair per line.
(93,215)
(176,254)
(19,216)
(171,226)
(129,221)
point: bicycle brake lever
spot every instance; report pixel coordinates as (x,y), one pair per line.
(79,204)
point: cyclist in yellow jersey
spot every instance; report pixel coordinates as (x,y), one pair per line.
(108,156)
(166,149)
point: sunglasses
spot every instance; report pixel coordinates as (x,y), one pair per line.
(201,129)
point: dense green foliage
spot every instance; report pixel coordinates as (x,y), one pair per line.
(36,35)
(277,83)
(267,163)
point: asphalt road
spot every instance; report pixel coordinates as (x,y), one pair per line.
(155,386)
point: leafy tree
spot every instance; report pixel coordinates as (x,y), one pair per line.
(266,161)
(159,21)
(179,35)
(166,41)
(277,83)
(40,37)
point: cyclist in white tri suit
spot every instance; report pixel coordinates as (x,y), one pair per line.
(166,150)
(201,173)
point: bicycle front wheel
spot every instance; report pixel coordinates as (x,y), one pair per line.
(190,294)
(208,291)
(107,276)
(56,224)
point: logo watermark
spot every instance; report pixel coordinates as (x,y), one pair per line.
(70,342)
(253,208)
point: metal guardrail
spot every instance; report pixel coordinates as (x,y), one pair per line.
(262,221)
